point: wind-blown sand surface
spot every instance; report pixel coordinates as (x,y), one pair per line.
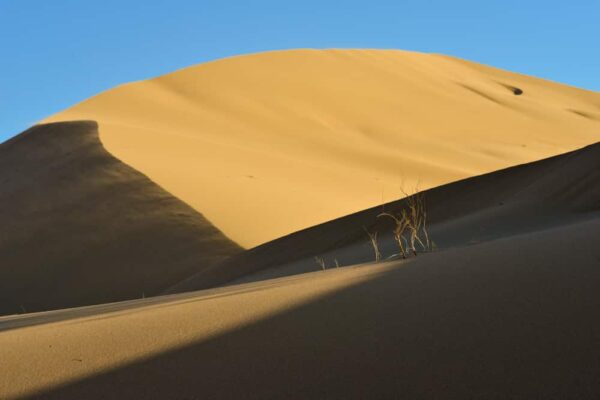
(79,227)
(512,318)
(179,169)
(267,144)
(525,198)
(186,169)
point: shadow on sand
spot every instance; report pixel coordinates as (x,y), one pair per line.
(453,325)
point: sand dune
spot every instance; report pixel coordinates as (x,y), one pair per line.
(511,318)
(525,198)
(80,227)
(267,144)
(505,308)
(252,148)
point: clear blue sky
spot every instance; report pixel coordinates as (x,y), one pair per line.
(54,53)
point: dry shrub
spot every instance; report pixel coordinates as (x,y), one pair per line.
(411,224)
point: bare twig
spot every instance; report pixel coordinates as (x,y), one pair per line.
(374,243)
(401,225)
(411,224)
(321,262)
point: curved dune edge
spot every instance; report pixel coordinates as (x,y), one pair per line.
(517,305)
(267,144)
(559,190)
(131,326)
(455,324)
(81,227)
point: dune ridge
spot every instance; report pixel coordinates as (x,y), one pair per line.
(81,227)
(526,198)
(267,144)
(302,137)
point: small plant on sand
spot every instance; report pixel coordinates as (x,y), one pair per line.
(402,224)
(418,222)
(321,262)
(411,225)
(374,244)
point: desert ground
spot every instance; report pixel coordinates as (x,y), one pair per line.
(306,136)
(205,234)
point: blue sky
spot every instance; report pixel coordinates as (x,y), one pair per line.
(54,53)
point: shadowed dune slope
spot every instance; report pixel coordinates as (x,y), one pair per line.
(289,139)
(79,227)
(555,191)
(514,318)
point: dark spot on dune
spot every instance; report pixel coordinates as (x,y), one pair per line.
(515,90)
(250,176)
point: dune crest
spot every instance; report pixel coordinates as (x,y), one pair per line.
(80,227)
(267,144)
(556,191)
(260,146)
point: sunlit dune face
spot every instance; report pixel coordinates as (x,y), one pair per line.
(267,144)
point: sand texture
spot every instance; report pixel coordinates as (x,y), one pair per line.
(525,198)
(267,144)
(80,227)
(217,186)
(511,318)
(505,308)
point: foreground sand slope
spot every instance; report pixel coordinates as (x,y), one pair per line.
(77,226)
(267,144)
(512,318)
(525,198)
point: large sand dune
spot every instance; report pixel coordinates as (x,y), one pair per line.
(252,148)
(267,144)
(258,147)
(505,308)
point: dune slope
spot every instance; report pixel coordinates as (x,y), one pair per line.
(525,198)
(80,227)
(511,318)
(505,308)
(267,144)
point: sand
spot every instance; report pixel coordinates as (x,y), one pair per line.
(267,144)
(526,198)
(255,148)
(79,227)
(511,318)
(505,308)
